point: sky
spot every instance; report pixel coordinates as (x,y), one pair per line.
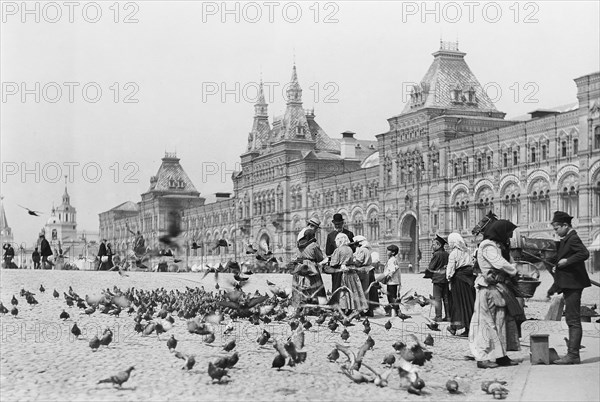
(99,91)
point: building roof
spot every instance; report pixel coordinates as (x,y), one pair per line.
(371,160)
(449,72)
(171,177)
(126,206)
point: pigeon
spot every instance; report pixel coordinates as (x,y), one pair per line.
(355,375)
(333,355)
(229,346)
(210,338)
(278,362)
(452,386)
(428,340)
(432,325)
(216,373)
(345,335)
(94,343)
(263,338)
(380,380)
(14,301)
(14,311)
(3,309)
(42,289)
(366,330)
(30,211)
(75,330)
(118,379)
(388,325)
(333,325)
(403,316)
(106,338)
(190,360)
(55,294)
(64,315)
(172,343)
(389,360)
(321,319)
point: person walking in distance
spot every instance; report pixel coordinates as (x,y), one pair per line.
(571,277)
(330,246)
(45,251)
(35,257)
(461,284)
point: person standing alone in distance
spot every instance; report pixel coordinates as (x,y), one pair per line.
(571,278)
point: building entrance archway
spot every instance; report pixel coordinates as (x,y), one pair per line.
(408,243)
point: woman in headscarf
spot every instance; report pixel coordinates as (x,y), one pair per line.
(459,272)
(365,270)
(307,283)
(343,259)
(493,329)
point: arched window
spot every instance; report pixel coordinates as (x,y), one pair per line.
(597,137)
(515,158)
(505,160)
(544,152)
(569,195)
(357,222)
(489,162)
(532,154)
(461,211)
(539,201)
(596,205)
(485,202)
(563,149)
(511,200)
(575,146)
(373,226)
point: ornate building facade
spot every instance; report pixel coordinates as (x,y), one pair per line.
(448,158)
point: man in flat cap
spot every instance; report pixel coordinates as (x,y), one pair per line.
(330,246)
(437,272)
(570,276)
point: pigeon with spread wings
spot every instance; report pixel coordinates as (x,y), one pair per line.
(30,211)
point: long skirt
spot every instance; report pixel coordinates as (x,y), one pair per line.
(366,279)
(463,299)
(355,299)
(487,333)
(307,289)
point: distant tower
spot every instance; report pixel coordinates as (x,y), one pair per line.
(5,230)
(62,224)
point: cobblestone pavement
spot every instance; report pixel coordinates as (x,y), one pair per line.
(41,360)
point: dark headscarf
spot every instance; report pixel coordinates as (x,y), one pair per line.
(498,231)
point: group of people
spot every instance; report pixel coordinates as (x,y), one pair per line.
(348,259)
(479,295)
(487,302)
(42,259)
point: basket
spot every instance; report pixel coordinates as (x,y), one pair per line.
(528,287)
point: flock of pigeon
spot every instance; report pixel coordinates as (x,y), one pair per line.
(157,311)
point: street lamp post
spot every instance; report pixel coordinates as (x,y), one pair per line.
(416,167)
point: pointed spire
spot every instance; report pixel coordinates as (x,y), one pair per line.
(65,197)
(294,92)
(5,230)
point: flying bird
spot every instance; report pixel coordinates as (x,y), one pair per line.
(30,211)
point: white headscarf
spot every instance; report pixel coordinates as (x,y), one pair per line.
(455,240)
(301,234)
(341,239)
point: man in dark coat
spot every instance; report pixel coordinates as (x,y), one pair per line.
(45,251)
(330,246)
(35,257)
(571,277)
(437,267)
(9,254)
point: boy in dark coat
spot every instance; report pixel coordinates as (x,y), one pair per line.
(571,277)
